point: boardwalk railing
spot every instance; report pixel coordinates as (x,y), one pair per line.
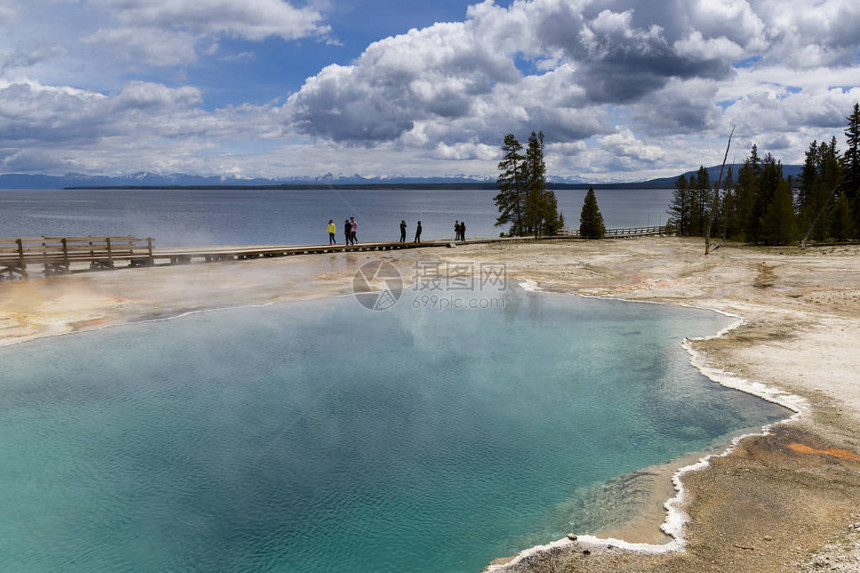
(56,255)
(637,231)
(625,232)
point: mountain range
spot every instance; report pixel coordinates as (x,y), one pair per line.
(154,180)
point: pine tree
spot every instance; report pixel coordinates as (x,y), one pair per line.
(680,209)
(755,161)
(745,192)
(779,225)
(512,187)
(841,223)
(540,209)
(533,211)
(852,164)
(750,197)
(553,220)
(832,180)
(702,200)
(808,184)
(535,169)
(768,183)
(808,177)
(591,220)
(729,205)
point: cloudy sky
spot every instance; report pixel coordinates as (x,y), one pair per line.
(622,89)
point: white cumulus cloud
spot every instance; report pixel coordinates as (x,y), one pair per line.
(168,32)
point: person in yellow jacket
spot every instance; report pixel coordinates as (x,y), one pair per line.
(332,229)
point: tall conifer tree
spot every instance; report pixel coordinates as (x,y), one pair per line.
(779,225)
(591,220)
(680,209)
(841,224)
(535,184)
(702,199)
(512,183)
(852,165)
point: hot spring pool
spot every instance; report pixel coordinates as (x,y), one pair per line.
(320,436)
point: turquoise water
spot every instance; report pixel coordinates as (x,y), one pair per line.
(320,436)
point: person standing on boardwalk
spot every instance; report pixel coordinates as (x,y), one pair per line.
(418,233)
(402,231)
(347,231)
(463,231)
(332,229)
(456,230)
(354,230)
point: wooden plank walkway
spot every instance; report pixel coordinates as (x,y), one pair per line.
(184,255)
(60,255)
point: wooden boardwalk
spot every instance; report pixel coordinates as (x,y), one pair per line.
(184,255)
(19,257)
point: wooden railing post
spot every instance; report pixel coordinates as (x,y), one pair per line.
(65,254)
(21,260)
(110,252)
(45,256)
(149,247)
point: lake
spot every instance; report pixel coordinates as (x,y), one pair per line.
(269,217)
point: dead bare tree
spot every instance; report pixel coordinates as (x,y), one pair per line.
(715,208)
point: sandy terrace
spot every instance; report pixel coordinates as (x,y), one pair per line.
(780,502)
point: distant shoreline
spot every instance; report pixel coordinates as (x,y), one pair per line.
(374,186)
(146,180)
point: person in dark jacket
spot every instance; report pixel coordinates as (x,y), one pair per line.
(418,233)
(347,231)
(402,231)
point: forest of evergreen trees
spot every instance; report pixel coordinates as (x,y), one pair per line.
(758,205)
